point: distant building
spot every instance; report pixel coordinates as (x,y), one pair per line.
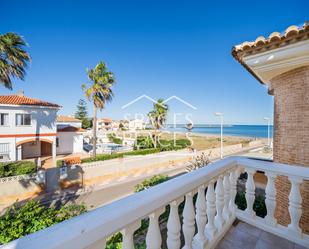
(104,124)
(63,121)
(136,124)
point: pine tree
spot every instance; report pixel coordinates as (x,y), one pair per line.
(82,114)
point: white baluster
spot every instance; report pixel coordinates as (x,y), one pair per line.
(233,181)
(153,237)
(250,192)
(210,210)
(174,226)
(219,203)
(270,198)
(295,202)
(188,226)
(201,218)
(227,196)
(127,233)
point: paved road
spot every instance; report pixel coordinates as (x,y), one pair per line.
(103,195)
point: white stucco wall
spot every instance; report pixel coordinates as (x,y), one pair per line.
(69,142)
(43,123)
(43,120)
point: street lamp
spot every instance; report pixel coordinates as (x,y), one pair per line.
(219,114)
(268,130)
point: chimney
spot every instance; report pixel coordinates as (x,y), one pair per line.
(21,94)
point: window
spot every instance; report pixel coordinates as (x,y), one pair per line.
(4,119)
(4,152)
(23,119)
(57,142)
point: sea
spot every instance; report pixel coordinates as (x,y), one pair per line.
(254,131)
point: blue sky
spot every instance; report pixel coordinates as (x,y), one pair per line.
(158,48)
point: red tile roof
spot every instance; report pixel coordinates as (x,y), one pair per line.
(275,40)
(61,118)
(22,100)
(291,35)
(70,129)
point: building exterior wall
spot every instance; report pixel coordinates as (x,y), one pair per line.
(69,142)
(43,126)
(291,136)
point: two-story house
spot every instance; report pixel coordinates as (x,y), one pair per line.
(27,128)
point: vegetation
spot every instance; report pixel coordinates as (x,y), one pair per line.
(146,142)
(82,114)
(199,162)
(258,206)
(157,179)
(99,92)
(13,58)
(158,117)
(114,139)
(17,221)
(103,157)
(17,168)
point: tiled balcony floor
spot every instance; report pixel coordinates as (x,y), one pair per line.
(244,236)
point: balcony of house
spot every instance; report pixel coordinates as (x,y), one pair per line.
(195,210)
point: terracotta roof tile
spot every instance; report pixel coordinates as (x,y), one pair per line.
(291,35)
(62,118)
(70,129)
(22,100)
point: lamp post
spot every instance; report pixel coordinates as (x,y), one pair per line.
(268,130)
(219,114)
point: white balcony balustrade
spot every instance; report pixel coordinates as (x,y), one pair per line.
(209,211)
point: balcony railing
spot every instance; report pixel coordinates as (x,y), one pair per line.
(203,222)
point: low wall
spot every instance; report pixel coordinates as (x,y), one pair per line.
(18,188)
(104,171)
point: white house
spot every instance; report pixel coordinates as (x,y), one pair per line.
(27,128)
(136,124)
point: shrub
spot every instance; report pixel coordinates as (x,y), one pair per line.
(17,222)
(198,162)
(17,168)
(103,157)
(114,139)
(258,206)
(145,142)
(151,182)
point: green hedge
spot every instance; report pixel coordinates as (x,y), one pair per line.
(103,157)
(258,206)
(17,168)
(114,139)
(151,182)
(17,222)
(145,142)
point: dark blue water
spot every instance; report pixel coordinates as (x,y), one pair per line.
(230,130)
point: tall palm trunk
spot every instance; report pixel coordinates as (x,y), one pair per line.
(94,126)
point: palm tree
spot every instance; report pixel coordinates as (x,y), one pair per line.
(158,117)
(99,92)
(13,58)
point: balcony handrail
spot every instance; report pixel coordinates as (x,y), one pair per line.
(277,168)
(82,231)
(87,230)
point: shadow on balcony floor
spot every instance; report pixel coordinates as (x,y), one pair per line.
(244,236)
